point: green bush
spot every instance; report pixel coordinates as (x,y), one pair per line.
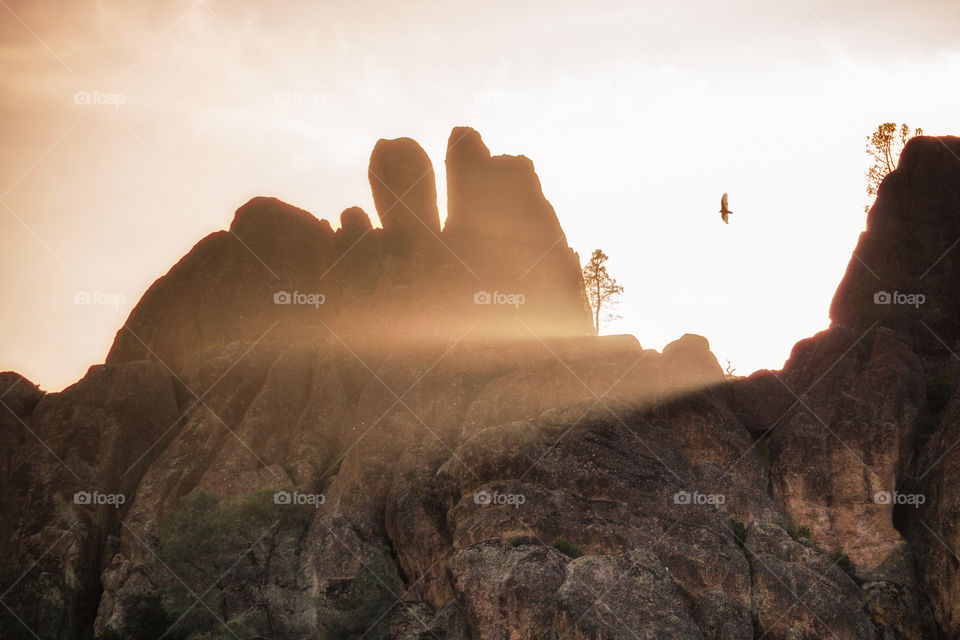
(516,541)
(802,531)
(208,540)
(35,607)
(234,629)
(566,547)
(373,593)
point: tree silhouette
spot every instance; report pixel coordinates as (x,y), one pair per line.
(884,146)
(602,291)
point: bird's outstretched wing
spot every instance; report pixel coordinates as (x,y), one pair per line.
(723,203)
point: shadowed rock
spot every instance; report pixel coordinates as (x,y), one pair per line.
(358,250)
(233,285)
(506,234)
(355,221)
(94,438)
(495,199)
(908,249)
(405,194)
(688,363)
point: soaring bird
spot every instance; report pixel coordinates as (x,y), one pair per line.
(724,211)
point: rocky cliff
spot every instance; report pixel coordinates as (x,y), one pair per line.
(410,432)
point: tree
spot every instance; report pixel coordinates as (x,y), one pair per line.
(730,371)
(223,548)
(372,595)
(884,146)
(603,292)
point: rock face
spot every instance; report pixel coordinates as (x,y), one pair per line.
(233,285)
(507,234)
(908,250)
(405,193)
(863,436)
(72,462)
(397,461)
(495,200)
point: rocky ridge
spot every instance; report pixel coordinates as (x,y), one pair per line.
(402,462)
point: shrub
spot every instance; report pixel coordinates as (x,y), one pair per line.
(516,541)
(802,531)
(234,629)
(206,540)
(35,607)
(374,591)
(566,547)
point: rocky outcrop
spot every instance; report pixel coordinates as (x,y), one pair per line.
(73,461)
(405,461)
(280,274)
(236,285)
(933,525)
(798,592)
(861,436)
(495,200)
(507,235)
(905,269)
(405,194)
(692,363)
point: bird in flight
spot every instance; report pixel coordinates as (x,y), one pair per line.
(724,211)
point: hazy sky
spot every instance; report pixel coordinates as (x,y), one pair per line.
(637,116)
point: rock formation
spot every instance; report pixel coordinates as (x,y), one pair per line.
(233,285)
(507,233)
(404,460)
(405,194)
(907,250)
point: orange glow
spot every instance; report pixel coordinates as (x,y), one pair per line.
(131,130)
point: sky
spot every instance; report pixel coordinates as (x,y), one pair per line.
(131,129)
